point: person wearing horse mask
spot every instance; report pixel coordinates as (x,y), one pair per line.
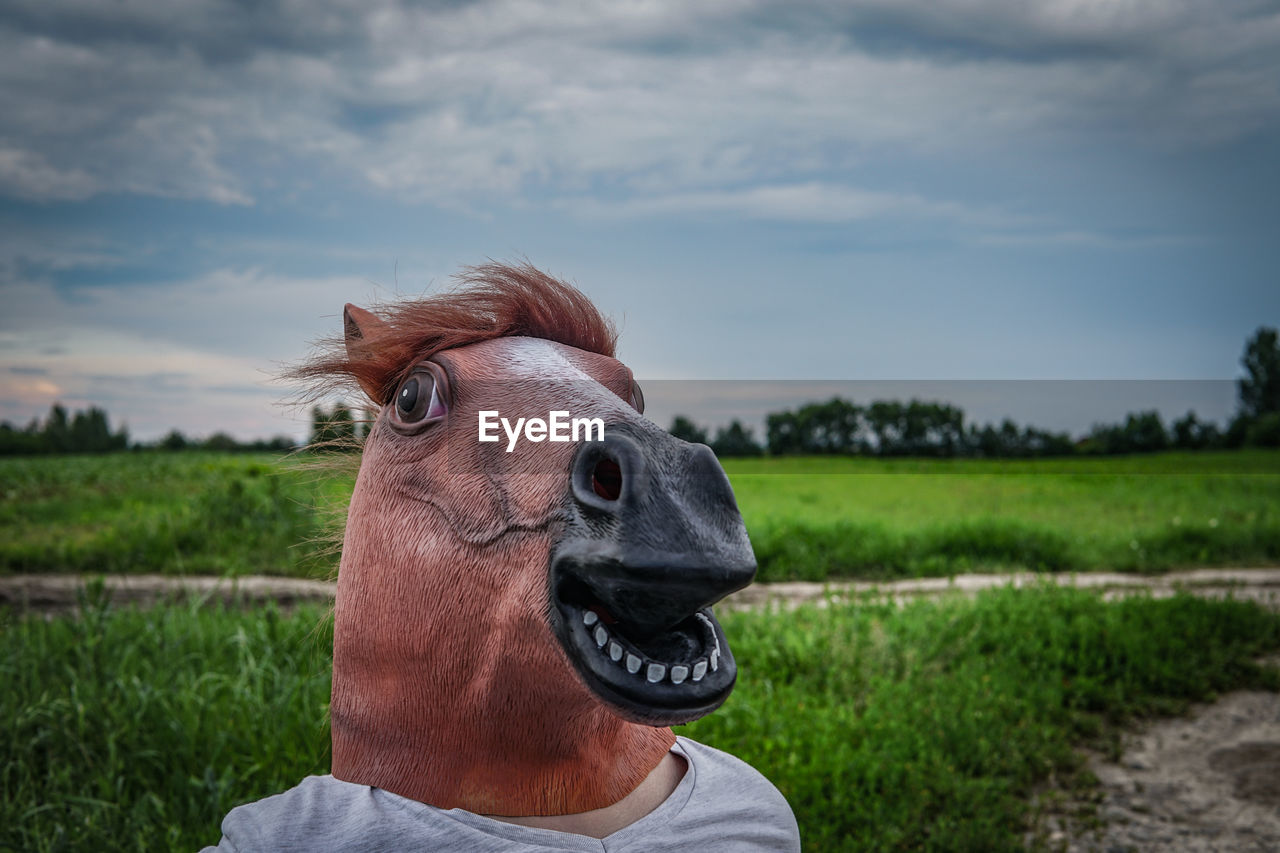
(524,598)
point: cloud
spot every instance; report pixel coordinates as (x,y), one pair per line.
(225,310)
(167,356)
(1049,31)
(1084,239)
(807,202)
(457,104)
(27,394)
(25,174)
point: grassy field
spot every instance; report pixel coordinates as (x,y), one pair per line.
(138,730)
(809,518)
(888,729)
(813,518)
(168,512)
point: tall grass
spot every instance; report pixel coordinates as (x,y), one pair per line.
(925,727)
(138,730)
(818,517)
(809,518)
(171,513)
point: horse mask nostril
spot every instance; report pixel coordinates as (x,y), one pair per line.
(606,479)
(610,473)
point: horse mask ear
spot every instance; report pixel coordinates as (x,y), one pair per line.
(362,329)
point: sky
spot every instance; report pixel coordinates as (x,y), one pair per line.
(875,190)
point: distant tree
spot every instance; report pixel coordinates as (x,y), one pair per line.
(321,428)
(91,433)
(1191,433)
(1185,432)
(57,430)
(280,443)
(735,440)
(334,429)
(14,440)
(343,424)
(221,441)
(984,441)
(916,428)
(1045,443)
(174,440)
(831,427)
(84,432)
(885,421)
(1008,441)
(934,429)
(1260,388)
(1264,431)
(782,433)
(686,430)
(1237,433)
(1142,432)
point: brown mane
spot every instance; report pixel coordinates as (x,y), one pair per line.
(490,301)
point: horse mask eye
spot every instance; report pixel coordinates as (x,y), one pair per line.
(420,399)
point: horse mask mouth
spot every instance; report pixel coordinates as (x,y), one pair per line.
(654,539)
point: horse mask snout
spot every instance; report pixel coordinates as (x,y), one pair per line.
(671,542)
(654,539)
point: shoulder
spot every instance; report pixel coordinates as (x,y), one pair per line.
(316,800)
(726,774)
(320,813)
(729,792)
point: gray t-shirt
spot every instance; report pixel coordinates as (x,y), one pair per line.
(722,804)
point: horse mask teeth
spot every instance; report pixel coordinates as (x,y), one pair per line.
(515,631)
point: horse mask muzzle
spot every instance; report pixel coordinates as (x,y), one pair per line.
(654,539)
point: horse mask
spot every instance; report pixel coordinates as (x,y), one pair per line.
(515,629)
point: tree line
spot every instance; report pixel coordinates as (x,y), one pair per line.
(89,431)
(880,428)
(83,432)
(337,428)
(924,428)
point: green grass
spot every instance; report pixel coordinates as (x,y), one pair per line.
(173,513)
(131,730)
(809,518)
(926,727)
(814,518)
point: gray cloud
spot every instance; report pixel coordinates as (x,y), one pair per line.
(174,356)
(456,104)
(1180,31)
(805,202)
(159,381)
(219,33)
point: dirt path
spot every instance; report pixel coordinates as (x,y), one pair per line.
(1206,782)
(53,593)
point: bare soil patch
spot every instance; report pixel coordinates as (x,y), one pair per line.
(1207,782)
